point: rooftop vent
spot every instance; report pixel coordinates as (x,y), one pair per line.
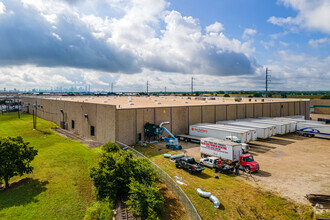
(158,103)
(105,102)
(131,103)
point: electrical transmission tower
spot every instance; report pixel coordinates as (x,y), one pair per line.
(192,85)
(268,79)
(147,87)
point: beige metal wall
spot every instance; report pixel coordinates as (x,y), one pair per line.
(102,117)
(127,125)
(321,110)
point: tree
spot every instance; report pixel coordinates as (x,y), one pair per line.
(116,167)
(144,200)
(257,94)
(325,97)
(226,95)
(15,158)
(119,173)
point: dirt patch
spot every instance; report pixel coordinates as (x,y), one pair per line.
(294,169)
(291,165)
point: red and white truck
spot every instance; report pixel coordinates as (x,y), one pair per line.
(228,151)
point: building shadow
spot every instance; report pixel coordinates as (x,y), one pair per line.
(22,192)
(276,141)
(295,137)
(258,148)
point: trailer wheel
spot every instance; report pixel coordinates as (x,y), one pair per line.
(177,166)
(167,146)
(190,171)
(180,147)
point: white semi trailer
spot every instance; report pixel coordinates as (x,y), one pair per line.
(293,122)
(251,133)
(311,130)
(281,127)
(205,130)
(263,131)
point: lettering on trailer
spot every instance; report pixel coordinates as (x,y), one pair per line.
(214,147)
(199,130)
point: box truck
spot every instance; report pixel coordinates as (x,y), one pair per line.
(229,152)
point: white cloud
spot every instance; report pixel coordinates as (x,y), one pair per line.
(248,32)
(267,44)
(2,8)
(216,27)
(312,15)
(292,71)
(319,42)
(56,36)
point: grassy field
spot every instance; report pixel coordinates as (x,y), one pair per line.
(59,187)
(239,200)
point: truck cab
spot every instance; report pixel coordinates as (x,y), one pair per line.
(245,147)
(248,164)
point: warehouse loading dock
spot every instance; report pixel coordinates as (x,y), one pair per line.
(122,118)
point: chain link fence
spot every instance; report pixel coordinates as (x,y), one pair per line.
(170,183)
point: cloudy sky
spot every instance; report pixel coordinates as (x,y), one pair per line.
(224,45)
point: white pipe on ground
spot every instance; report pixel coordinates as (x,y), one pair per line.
(215,200)
(176,156)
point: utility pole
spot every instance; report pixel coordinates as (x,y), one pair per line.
(192,85)
(147,87)
(111,87)
(165,89)
(267,80)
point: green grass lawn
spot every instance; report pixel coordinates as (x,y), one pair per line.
(238,199)
(59,187)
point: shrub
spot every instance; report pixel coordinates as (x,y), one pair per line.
(99,210)
(226,95)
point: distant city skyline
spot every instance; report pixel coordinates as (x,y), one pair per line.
(224,45)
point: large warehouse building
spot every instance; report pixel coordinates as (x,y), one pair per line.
(122,118)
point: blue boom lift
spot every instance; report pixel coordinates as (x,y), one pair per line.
(172,141)
(153,131)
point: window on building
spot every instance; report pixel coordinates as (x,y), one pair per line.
(92,131)
(72,124)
